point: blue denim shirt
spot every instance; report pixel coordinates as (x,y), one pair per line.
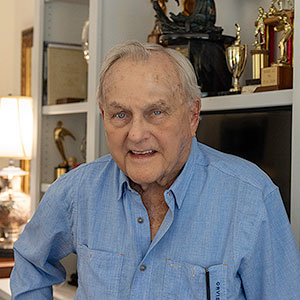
(225,236)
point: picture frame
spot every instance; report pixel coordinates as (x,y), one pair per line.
(26,69)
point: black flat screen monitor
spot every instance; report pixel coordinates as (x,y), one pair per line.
(262,136)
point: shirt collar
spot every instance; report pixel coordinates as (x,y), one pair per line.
(123,184)
(180,185)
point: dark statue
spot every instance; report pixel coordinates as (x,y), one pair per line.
(201,20)
(193,32)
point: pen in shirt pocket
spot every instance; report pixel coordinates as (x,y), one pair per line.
(207,284)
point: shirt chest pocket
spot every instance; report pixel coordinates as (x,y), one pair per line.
(193,282)
(98,274)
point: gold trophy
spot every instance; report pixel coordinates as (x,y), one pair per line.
(260,56)
(280,74)
(236,58)
(59,133)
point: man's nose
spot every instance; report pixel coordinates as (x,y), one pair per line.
(138,130)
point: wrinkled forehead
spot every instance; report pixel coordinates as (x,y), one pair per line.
(158,65)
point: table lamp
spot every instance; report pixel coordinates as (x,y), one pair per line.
(16,132)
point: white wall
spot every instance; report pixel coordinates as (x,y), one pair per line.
(15,16)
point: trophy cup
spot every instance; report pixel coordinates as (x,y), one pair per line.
(236,58)
(59,133)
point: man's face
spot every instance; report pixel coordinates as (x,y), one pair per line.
(149,128)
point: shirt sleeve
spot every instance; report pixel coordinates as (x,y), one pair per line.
(271,269)
(47,238)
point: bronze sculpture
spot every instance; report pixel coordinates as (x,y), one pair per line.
(201,20)
(59,134)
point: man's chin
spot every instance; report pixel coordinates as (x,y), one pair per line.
(141,179)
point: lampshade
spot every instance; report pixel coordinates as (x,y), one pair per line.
(16,127)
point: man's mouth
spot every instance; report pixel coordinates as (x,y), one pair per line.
(144,153)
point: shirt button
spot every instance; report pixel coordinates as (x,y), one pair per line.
(140,220)
(169,193)
(143,268)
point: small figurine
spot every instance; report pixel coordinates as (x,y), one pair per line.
(287,28)
(279,3)
(238,35)
(59,134)
(273,11)
(260,39)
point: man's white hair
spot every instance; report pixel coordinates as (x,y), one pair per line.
(142,52)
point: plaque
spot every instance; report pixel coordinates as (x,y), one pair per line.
(276,78)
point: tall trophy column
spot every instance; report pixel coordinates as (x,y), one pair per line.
(260,55)
(279,22)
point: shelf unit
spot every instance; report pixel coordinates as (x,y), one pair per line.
(112,22)
(63,109)
(62,21)
(247,101)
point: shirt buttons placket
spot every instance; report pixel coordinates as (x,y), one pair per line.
(143,268)
(140,220)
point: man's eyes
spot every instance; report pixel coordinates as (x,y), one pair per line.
(120,115)
(157,112)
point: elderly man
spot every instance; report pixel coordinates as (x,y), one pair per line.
(163,216)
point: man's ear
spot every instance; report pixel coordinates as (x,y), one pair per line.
(101,110)
(195,113)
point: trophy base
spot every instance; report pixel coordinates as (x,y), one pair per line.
(260,60)
(207,54)
(58,171)
(253,81)
(280,76)
(270,88)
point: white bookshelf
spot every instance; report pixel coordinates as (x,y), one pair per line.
(63,109)
(248,101)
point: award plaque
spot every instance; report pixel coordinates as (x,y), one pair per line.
(277,77)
